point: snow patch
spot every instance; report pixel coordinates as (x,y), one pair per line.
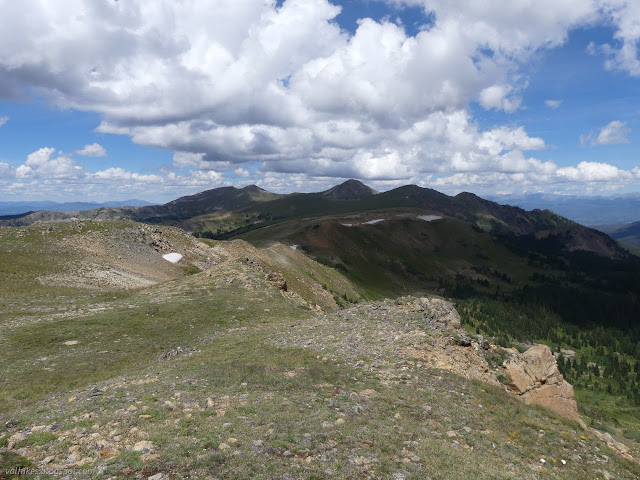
(373,222)
(294,247)
(172,257)
(348,224)
(429,218)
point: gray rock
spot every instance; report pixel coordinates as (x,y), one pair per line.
(144,446)
(11,424)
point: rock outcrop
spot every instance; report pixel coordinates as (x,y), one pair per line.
(438,310)
(534,377)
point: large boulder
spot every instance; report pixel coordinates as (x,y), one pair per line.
(533,376)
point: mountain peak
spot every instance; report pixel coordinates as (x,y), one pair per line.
(350,190)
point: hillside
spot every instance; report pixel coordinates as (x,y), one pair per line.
(628,234)
(241,363)
(353,197)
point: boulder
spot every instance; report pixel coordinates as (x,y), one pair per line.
(144,447)
(533,376)
(278,280)
(15,440)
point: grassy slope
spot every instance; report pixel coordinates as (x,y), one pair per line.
(287,398)
(403,254)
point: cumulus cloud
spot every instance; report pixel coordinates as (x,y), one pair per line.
(44,163)
(6,171)
(226,84)
(93,150)
(593,172)
(495,97)
(3,120)
(277,85)
(593,176)
(553,103)
(614,133)
(118,174)
(623,55)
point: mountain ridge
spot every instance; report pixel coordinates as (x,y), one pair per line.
(231,209)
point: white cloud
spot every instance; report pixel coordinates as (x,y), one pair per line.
(277,86)
(93,150)
(189,160)
(495,97)
(593,172)
(6,171)
(601,176)
(43,164)
(503,138)
(614,133)
(224,84)
(117,174)
(625,15)
(3,120)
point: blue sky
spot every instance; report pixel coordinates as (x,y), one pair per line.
(104,100)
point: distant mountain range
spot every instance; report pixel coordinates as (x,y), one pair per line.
(587,210)
(18,208)
(228,211)
(605,213)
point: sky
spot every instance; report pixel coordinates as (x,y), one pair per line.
(119,99)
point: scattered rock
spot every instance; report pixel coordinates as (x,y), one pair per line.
(144,446)
(368,393)
(176,352)
(438,310)
(462,341)
(278,280)
(108,453)
(483,342)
